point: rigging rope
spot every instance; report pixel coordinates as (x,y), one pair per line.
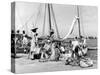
(38,14)
(83,28)
(44,20)
(17,13)
(29,20)
(53,15)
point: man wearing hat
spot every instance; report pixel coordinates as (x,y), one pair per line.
(33,43)
(25,41)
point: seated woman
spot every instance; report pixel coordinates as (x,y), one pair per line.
(83,45)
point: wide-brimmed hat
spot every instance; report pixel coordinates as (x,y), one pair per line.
(34,29)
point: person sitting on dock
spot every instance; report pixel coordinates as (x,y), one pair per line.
(45,51)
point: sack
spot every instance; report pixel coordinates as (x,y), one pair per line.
(86,62)
(67,55)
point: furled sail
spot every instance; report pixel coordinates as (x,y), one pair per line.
(71,28)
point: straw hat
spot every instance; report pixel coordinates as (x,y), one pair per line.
(34,29)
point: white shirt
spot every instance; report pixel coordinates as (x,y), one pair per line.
(75,43)
(62,48)
(84,42)
(25,41)
(33,42)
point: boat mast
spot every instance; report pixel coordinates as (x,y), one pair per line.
(58,36)
(49,17)
(78,21)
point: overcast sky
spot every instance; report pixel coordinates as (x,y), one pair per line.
(64,15)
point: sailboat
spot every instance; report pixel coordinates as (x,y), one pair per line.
(51,16)
(62,40)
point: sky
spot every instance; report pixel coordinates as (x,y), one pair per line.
(26,18)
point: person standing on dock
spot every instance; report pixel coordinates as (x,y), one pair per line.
(51,35)
(75,47)
(25,41)
(75,43)
(33,43)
